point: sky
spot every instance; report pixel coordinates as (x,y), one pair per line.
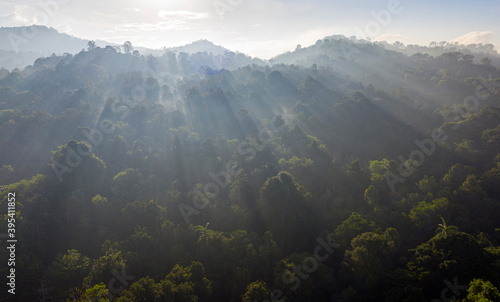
(261,28)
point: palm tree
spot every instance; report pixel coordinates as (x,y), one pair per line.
(202,230)
(205,233)
(444,228)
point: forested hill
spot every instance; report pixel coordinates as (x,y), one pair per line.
(21,46)
(339,46)
(340,172)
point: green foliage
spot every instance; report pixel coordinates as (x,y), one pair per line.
(241,192)
(283,155)
(102,268)
(482,291)
(352,227)
(181,284)
(456,254)
(291,275)
(426,214)
(283,203)
(427,184)
(457,175)
(370,257)
(371,196)
(444,229)
(67,271)
(98,293)
(256,291)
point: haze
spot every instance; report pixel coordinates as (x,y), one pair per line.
(259,28)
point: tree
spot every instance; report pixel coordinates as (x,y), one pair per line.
(482,291)
(302,169)
(427,184)
(87,170)
(194,277)
(371,196)
(357,180)
(241,192)
(486,61)
(110,49)
(67,271)
(268,253)
(457,175)
(143,213)
(370,257)
(126,184)
(98,292)
(205,234)
(457,254)
(283,203)
(426,214)
(350,228)
(91,45)
(127,47)
(472,185)
(256,291)
(468,58)
(293,276)
(102,268)
(398,44)
(444,229)
(143,290)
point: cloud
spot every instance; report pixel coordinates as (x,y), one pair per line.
(391,38)
(8,18)
(182,14)
(149,27)
(14,19)
(64,28)
(475,37)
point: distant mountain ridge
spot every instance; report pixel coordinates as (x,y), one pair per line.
(47,40)
(41,39)
(199,46)
(23,45)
